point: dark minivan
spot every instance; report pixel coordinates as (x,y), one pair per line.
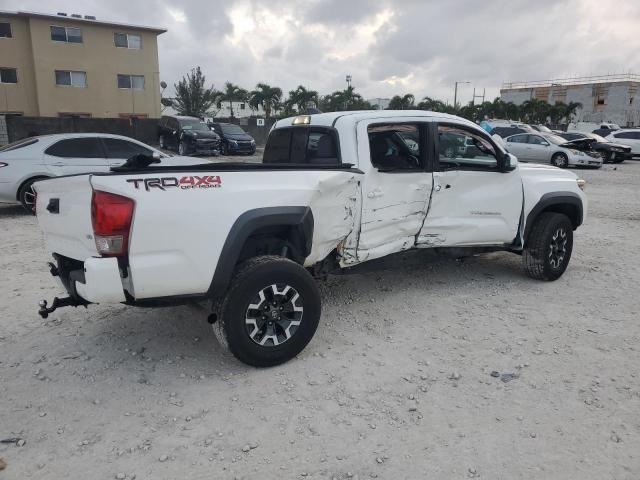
(187,135)
(234,139)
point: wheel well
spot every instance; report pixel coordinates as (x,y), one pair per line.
(567,209)
(285,231)
(22,185)
(283,240)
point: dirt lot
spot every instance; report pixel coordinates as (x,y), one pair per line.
(396,384)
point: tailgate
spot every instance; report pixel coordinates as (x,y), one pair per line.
(63,206)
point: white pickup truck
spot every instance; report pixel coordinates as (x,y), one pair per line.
(334,190)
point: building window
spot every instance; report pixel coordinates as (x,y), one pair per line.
(8,75)
(127,40)
(242,106)
(5,30)
(66,34)
(131,81)
(71,79)
(600,101)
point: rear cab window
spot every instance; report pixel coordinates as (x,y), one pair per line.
(303,145)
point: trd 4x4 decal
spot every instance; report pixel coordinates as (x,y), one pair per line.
(184,183)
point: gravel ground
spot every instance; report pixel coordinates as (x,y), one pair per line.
(396,384)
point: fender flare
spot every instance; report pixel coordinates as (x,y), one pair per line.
(245,225)
(550,199)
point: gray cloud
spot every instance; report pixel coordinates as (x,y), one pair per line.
(387,46)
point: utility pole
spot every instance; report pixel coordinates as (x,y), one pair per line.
(473,102)
(455,93)
(348,79)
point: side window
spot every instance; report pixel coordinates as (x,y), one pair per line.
(77,148)
(537,140)
(460,149)
(117,148)
(395,147)
(624,135)
(522,138)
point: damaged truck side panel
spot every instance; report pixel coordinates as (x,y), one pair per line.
(334,190)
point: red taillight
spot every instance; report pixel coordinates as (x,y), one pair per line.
(111,216)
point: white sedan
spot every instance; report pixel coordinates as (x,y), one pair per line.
(627,136)
(26,161)
(549,148)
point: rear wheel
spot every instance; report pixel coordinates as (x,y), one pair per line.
(549,246)
(560,160)
(270,313)
(27,195)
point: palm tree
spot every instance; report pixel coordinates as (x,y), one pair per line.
(267,97)
(231,93)
(402,103)
(301,97)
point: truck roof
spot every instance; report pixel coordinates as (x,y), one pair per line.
(330,119)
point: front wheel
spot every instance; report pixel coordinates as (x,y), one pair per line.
(224,150)
(162,143)
(182,148)
(270,313)
(548,247)
(560,160)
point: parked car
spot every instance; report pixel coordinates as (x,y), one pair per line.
(26,161)
(586,142)
(549,148)
(334,190)
(590,127)
(541,128)
(629,137)
(187,136)
(233,139)
(505,132)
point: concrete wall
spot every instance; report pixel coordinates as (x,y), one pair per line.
(37,57)
(143,129)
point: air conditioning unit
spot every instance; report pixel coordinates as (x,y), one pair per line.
(76,15)
(62,14)
(90,17)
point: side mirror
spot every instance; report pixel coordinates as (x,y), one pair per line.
(509,162)
(545,144)
(156,155)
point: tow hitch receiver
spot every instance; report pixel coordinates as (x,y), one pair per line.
(44,310)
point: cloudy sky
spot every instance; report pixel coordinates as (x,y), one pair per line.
(388,46)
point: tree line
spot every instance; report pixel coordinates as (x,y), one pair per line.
(194,98)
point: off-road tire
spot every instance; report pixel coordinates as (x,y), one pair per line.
(250,278)
(538,251)
(560,160)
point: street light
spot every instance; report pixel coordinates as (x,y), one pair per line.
(455,94)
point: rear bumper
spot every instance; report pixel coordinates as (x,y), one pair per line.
(96,280)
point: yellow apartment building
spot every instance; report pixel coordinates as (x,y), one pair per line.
(74,65)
